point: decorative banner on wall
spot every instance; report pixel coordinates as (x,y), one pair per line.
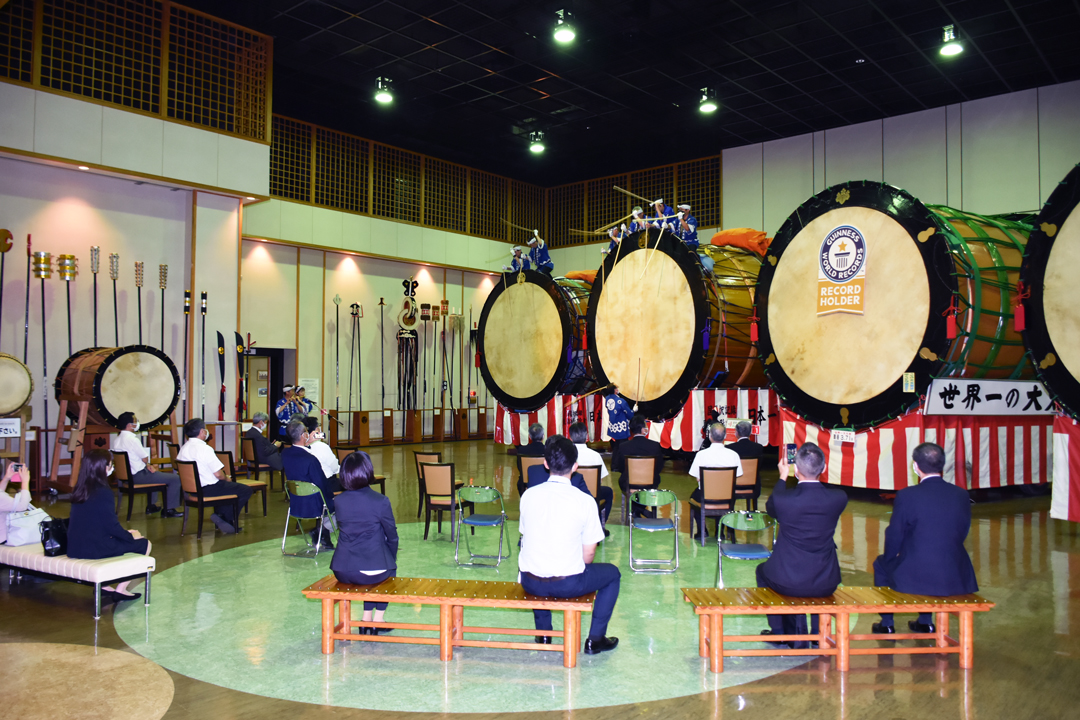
(1065,502)
(841,271)
(958,396)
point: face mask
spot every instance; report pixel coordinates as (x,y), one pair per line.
(109,471)
(318,435)
(136,428)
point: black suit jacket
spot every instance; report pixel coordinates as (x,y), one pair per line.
(266,452)
(803,561)
(924,543)
(538,474)
(533,449)
(301,465)
(746,448)
(94,532)
(368,539)
(637,445)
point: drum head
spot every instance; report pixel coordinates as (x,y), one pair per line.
(139,378)
(845,369)
(1052,335)
(646,322)
(523,336)
(16,385)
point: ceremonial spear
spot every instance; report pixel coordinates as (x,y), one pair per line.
(163,279)
(138,293)
(337,353)
(67,266)
(95,266)
(187,318)
(26,326)
(202,392)
(382,352)
(5,245)
(43,271)
(114,273)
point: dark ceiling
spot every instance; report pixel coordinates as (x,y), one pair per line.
(472,76)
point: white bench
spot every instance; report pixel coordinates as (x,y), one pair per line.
(93,572)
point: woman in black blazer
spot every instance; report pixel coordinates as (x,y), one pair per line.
(367,545)
(94,532)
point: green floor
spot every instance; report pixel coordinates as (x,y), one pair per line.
(237,619)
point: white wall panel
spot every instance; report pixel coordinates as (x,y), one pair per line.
(433,247)
(787,178)
(243,165)
(263,219)
(915,154)
(384,237)
(132,141)
(311,329)
(16,117)
(355,232)
(191,154)
(742,187)
(954,142)
(297,223)
(410,242)
(67,128)
(327,227)
(268,294)
(853,153)
(1059,134)
(1001,153)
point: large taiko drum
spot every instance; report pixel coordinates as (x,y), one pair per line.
(923,264)
(531,337)
(16,386)
(659,325)
(139,378)
(1052,311)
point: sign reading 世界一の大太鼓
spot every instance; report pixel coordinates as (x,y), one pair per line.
(841,271)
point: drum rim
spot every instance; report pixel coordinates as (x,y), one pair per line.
(672,402)
(1061,384)
(541,398)
(914,217)
(99,373)
(30,395)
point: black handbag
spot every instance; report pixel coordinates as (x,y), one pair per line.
(54,536)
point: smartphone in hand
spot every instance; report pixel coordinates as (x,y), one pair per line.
(792,448)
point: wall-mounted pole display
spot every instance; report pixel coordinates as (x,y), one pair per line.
(114,273)
(67,267)
(163,280)
(42,262)
(95,267)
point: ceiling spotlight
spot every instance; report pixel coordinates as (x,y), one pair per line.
(564,31)
(536,141)
(383,94)
(83,167)
(951,45)
(707,104)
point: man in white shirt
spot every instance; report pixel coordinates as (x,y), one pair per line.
(587,457)
(560,531)
(143,473)
(212,475)
(714,456)
(326,457)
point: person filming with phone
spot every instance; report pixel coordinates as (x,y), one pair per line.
(21,501)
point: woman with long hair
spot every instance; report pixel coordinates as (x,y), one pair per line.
(367,545)
(19,473)
(94,532)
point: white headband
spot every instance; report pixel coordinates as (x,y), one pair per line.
(684,207)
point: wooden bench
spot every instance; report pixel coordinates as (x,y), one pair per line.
(711,605)
(452,597)
(91,572)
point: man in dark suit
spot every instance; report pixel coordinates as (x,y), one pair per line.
(743,446)
(803,562)
(299,464)
(266,452)
(535,448)
(639,444)
(924,543)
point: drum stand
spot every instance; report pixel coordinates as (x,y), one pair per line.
(75,437)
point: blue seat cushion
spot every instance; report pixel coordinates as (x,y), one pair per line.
(653,524)
(483,520)
(750,551)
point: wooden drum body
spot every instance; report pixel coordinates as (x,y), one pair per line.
(1052,312)
(531,337)
(16,386)
(660,326)
(847,370)
(139,378)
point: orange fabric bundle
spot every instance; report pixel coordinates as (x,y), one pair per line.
(588,276)
(749,239)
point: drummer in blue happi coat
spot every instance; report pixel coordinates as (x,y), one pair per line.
(539,255)
(685,228)
(664,213)
(518,261)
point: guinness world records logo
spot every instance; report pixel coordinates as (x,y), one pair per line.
(843,254)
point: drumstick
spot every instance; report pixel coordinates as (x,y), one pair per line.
(613,224)
(516,227)
(637,197)
(654,252)
(646,381)
(637,396)
(582,397)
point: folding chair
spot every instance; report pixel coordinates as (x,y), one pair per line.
(480,494)
(124,483)
(746,521)
(655,499)
(295,489)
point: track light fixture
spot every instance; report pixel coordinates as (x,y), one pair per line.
(951,45)
(707,104)
(564,31)
(536,141)
(383,93)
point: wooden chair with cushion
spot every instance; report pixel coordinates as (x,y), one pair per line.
(124,484)
(193,495)
(591,474)
(717,487)
(748,485)
(524,462)
(380,480)
(640,472)
(439,494)
(418,458)
(252,467)
(230,471)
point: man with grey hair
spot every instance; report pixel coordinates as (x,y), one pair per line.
(301,465)
(714,456)
(744,446)
(535,448)
(266,452)
(803,562)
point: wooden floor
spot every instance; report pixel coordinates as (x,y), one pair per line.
(1027,651)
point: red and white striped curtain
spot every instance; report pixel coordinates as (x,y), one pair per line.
(1065,504)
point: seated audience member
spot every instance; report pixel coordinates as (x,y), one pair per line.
(93,530)
(318,448)
(714,456)
(21,501)
(803,562)
(639,444)
(605,496)
(560,530)
(367,546)
(743,445)
(212,476)
(302,465)
(924,543)
(142,472)
(535,448)
(266,452)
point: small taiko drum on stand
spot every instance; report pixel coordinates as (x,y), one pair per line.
(659,325)
(136,378)
(531,339)
(1052,310)
(926,268)
(16,386)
